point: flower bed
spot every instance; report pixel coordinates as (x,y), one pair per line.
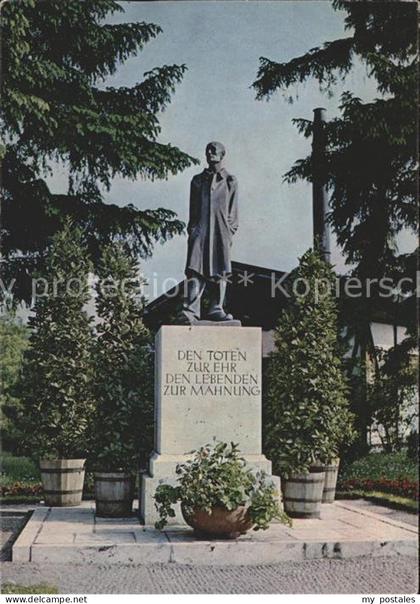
(379,466)
(402,487)
(389,474)
(19,489)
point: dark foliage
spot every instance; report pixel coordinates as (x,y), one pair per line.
(371,159)
(56,394)
(370,164)
(307,411)
(123,356)
(55,106)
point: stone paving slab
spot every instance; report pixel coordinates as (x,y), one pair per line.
(76,535)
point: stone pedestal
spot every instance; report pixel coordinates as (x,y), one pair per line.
(207,386)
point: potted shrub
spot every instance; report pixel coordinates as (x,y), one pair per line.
(307,414)
(123,425)
(330,471)
(57,402)
(219,495)
(341,434)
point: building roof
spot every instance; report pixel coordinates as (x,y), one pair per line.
(255,297)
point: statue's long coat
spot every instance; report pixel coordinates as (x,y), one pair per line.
(213,222)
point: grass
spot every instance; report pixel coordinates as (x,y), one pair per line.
(40,588)
(20,479)
(391,466)
(18,469)
(393,501)
(17,499)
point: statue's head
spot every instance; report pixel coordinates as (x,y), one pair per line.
(215,152)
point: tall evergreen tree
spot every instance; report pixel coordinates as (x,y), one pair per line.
(371,158)
(123,366)
(55,106)
(307,416)
(56,381)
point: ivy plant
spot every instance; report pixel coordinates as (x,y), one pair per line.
(217,476)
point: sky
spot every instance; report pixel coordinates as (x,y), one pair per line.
(221,42)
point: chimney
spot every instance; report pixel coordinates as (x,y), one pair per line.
(319,189)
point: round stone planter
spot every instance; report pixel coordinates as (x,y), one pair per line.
(302,495)
(222,522)
(114,494)
(331,475)
(62,481)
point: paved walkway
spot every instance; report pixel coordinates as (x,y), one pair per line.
(362,574)
(396,575)
(397,515)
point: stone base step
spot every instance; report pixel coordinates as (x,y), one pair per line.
(75,535)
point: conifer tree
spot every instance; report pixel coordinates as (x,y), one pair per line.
(371,160)
(372,156)
(56,105)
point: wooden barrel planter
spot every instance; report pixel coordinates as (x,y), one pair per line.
(62,481)
(114,494)
(302,495)
(331,474)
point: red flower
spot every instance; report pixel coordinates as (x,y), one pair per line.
(401,487)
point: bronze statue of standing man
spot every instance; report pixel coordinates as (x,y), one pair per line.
(212,223)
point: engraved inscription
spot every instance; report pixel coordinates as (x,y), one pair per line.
(211,373)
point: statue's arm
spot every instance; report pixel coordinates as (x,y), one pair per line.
(193,218)
(233,218)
